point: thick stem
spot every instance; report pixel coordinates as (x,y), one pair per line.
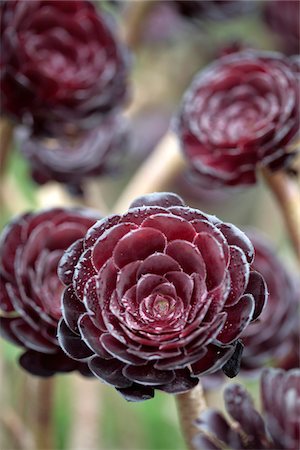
(287,193)
(137,12)
(43,412)
(86,412)
(21,437)
(6,134)
(164,163)
(189,406)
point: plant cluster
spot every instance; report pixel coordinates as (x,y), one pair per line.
(154,295)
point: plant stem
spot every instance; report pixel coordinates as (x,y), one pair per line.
(86,410)
(6,134)
(189,406)
(44,431)
(137,12)
(20,436)
(287,193)
(164,163)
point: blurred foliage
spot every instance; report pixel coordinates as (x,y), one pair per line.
(150,425)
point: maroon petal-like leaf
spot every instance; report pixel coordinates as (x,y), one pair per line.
(214,259)
(68,262)
(105,244)
(182,382)
(137,393)
(213,360)
(109,371)
(72,308)
(158,263)
(238,317)
(84,270)
(239,274)
(91,336)
(31,338)
(258,288)
(99,228)
(188,256)
(240,406)
(7,332)
(127,277)
(235,237)
(164,199)
(148,375)
(119,350)
(105,283)
(92,304)
(171,226)
(5,301)
(71,343)
(137,245)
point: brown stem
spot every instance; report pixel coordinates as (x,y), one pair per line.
(20,435)
(86,411)
(137,12)
(6,134)
(43,414)
(287,193)
(155,174)
(189,406)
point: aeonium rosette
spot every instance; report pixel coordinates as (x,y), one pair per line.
(239,114)
(166,289)
(74,159)
(61,64)
(275,337)
(31,246)
(277,427)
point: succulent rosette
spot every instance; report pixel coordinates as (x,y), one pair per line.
(240,113)
(72,159)
(30,290)
(283,17)
(61,63)
(166,292)
(276,428)
(274,338)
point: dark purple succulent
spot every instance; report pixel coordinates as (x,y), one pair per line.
(30,290)
(240,113)
(277,428)
(159,296)
(274,338)
(283,17)
(72,159)
(61,64)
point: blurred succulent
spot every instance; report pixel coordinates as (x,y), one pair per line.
(275,336)
(240,113)
(283,17)
(277,428)
(166,292)
(61,64)
(30,295)
(72,159)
